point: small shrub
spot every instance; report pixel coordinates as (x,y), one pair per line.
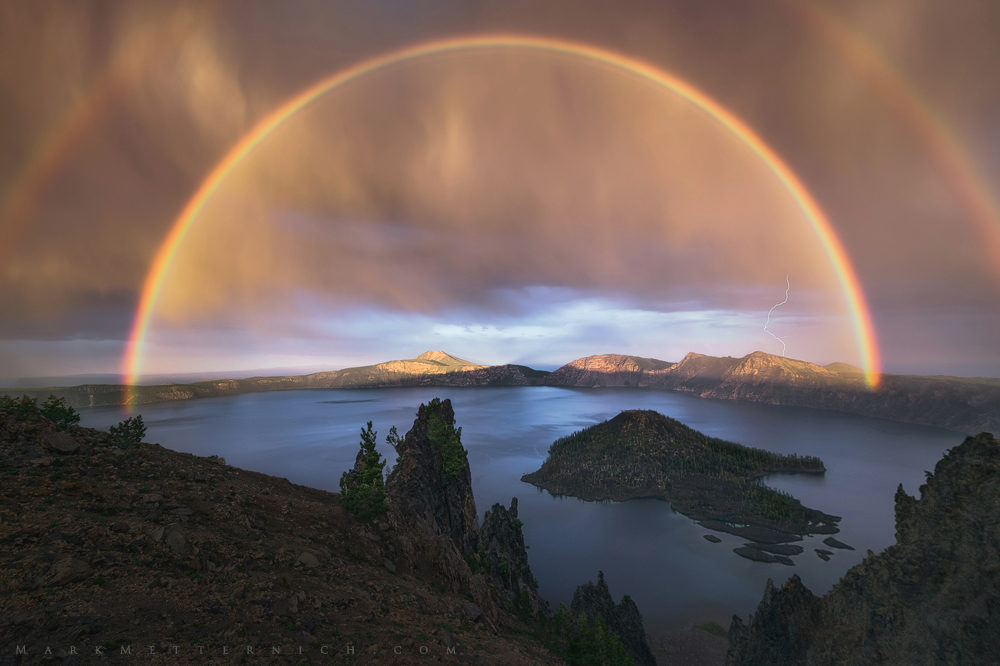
(129,432)
(22,407)
(713,628)
(59,411)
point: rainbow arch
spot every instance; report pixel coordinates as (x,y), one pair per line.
(862,324)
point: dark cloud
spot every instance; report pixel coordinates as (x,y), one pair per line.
(464,184)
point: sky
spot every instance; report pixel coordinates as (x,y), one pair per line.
(506,203)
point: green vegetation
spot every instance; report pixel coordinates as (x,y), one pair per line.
(504,568)
(713,628)
(55,409)
(646,454)
(363,488)
(21,407)
(129,432)
(58,411)
(572,638)
(447,439)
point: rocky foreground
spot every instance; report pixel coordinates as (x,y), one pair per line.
(109,549)
(932,598)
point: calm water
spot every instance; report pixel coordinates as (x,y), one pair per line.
(645,549)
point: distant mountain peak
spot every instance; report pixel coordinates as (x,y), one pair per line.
(619,362)
(437,356)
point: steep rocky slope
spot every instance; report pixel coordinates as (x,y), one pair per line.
(502,557)
(109,546)
(594,601)
(932,598)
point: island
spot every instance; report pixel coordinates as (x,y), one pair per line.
(642,453)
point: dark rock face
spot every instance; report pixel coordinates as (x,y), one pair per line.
(595,601)
(504,560)
(930,599)
(775,633)
(420,486)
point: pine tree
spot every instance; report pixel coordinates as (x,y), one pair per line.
(363,488)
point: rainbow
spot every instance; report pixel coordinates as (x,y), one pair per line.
(900,97)
(863,327)
(47,158)
(56,146)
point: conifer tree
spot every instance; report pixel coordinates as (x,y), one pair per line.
(363,488)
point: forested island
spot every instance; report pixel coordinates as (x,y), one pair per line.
(642,453)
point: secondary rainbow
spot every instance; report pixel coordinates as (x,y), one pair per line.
(905,101)
(56,146)
(864,329)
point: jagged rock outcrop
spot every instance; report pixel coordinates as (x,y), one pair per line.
(778,627)
(432,511)
(932,598)
(504,559)
(623,618)
(431,481)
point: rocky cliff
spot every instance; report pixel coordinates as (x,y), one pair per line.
(932,598)
(963,404)
(623,618)
(504,559)
(431,482)
(611,370)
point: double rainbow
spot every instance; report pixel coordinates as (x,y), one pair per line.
(864,330)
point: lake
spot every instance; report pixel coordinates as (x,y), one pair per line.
(646,550)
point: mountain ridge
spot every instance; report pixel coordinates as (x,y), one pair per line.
(965,405)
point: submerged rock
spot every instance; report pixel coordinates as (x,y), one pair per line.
(758,555)
(834,543)
(778,548)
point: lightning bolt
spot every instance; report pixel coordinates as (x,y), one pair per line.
(788,286)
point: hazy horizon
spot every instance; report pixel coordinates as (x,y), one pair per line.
(243,373)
